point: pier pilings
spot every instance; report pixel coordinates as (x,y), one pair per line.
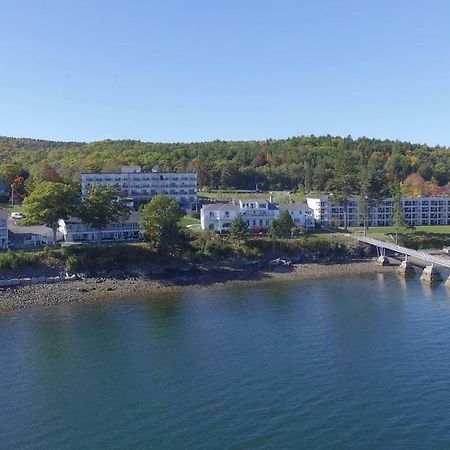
(405,268)
(431,275)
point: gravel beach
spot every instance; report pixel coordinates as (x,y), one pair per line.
(98,289)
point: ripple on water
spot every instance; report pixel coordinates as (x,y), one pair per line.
(351,363)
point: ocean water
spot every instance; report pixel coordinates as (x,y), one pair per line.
(340,363)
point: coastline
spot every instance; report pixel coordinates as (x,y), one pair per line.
(99,289)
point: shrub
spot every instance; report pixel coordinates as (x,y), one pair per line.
(16,260)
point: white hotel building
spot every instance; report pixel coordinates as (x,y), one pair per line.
(140,186)
(257,214)
(74,230)
(416,211)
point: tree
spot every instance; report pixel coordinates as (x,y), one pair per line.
(48,203)
(101,207)
(275,232)
(160,220)
(8,172)
(285,224)
(397,210)
(364,207)
(239,229)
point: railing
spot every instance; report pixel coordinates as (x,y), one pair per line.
(434,259)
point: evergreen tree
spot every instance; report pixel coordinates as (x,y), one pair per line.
(239,230)
(285,224)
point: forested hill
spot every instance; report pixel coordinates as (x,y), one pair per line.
(324,163)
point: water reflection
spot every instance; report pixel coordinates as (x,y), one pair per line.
(273,365)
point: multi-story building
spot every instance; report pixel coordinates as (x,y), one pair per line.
(416,211)
(4,240)
(74,230)
(331,213)
(257,214)
(139,187)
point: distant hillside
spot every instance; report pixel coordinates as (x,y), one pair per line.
(324,163)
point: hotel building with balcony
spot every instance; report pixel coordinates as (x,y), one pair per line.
(139,187)
(416,211)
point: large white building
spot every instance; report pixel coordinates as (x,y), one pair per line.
(141,186)
(4,240)
(74,230)
(257,214)
(330,213)
(416,211)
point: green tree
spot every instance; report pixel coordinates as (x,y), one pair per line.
(48,203)
(397,210)
(160,220)
(101,207)
(285,224)
(239,229)
(275,232)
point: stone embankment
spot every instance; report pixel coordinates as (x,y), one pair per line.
(28,281)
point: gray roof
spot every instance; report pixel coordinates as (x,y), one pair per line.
(135,217)
(294,206)
(253,200)
(221,207)
(3,213)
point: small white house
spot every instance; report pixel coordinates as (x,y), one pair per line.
(74,230)
(302,215)
(218,216)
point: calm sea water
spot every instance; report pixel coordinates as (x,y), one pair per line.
(354,363)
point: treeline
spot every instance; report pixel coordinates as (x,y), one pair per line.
(324,163)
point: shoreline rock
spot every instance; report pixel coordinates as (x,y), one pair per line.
(90,290)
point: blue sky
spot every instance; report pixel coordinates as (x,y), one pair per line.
(196,70)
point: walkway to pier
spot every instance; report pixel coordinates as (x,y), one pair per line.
(383,245)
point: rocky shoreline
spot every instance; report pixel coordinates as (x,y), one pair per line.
(103,289)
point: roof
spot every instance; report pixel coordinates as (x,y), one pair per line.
(331,199)
(253,200)
(135,217)
(294,206)
(3,213)
(221,207)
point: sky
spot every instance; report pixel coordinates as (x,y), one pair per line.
(199,70)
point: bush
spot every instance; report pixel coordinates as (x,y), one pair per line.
(250,252)
(90,258)
(16,260)
(209,244)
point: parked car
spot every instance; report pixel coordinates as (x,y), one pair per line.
(18,215)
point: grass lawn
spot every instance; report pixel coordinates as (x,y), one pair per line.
(188,220)
(384,231)
(10,208)
(279,196)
